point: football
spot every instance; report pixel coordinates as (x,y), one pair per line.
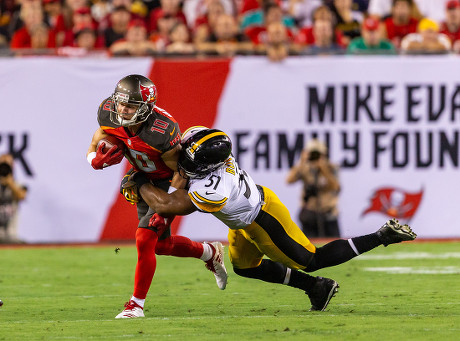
(110,141)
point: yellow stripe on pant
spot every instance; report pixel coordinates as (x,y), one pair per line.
(274,234)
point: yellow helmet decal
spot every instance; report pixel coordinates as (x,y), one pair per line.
(205,138)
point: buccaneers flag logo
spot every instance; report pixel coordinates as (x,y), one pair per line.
(149,93)
(394,202)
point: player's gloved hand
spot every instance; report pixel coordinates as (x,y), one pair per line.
(113,156)
(160,223)
(130,185)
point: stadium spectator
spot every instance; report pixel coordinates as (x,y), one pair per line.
(348,21)
(7,14)
(100,10)
(80,17)
(225,39)
(401,22)
(179,40)
(39,37)
(451,26)
(4,19)
(129,115)
(278,44)
(135,43)
(324,39)
(302,11)
(319,211)
(161,37)
(119,21)
(87,37)
(258,17)
(257,30)
(206,23)
(427,40)
(433,9)
(11,193)
(361,6)
(52,9)
(32,16)
(371,40)
(306,37)
(139,9)
(259,224)
(194,9)
(64,22)
(170,8)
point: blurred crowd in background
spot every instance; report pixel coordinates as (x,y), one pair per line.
(276,28)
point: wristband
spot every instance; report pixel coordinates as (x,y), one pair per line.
(171,189)
(91,157)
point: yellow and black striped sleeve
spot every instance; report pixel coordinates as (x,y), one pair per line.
(207,204)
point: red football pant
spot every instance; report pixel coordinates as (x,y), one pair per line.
(179,246)
(147,245)
(146,241)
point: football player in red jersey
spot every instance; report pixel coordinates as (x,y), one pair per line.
(152,140)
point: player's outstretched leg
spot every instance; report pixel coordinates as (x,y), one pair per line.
(393,232)
(216,264)
(321,293)
(211,253)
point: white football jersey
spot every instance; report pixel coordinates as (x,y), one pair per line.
(229,193)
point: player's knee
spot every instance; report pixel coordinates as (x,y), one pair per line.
(244,272)
(164,247)
(316,261)
(145,239)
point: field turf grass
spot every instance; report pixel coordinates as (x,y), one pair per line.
(408,291)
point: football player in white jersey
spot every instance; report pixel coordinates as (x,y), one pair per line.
(259,223)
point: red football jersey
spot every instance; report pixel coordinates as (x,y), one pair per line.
(158,134)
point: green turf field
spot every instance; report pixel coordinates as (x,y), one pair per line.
(407,291)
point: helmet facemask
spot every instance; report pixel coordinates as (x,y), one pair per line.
(141,114)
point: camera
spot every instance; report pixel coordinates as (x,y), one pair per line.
(5,169)
(314,155)
(310,191)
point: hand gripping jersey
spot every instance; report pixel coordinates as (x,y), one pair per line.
(158,134)
(229,193)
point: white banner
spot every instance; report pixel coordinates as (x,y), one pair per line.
(49,114)
(391,123)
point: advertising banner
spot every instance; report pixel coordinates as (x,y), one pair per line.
(390,123)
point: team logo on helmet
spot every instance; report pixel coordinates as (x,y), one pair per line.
(149,93)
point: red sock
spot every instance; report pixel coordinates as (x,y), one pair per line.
(179,246)
(146,241)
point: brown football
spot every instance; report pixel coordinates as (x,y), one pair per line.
(110,141)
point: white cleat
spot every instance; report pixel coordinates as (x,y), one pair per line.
(216,264)
(132,310)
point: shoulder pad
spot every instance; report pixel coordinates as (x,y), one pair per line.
(103,114)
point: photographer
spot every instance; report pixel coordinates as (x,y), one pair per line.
(319,212)
(10,194)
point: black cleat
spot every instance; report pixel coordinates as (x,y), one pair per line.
(393,232)
(322,292)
